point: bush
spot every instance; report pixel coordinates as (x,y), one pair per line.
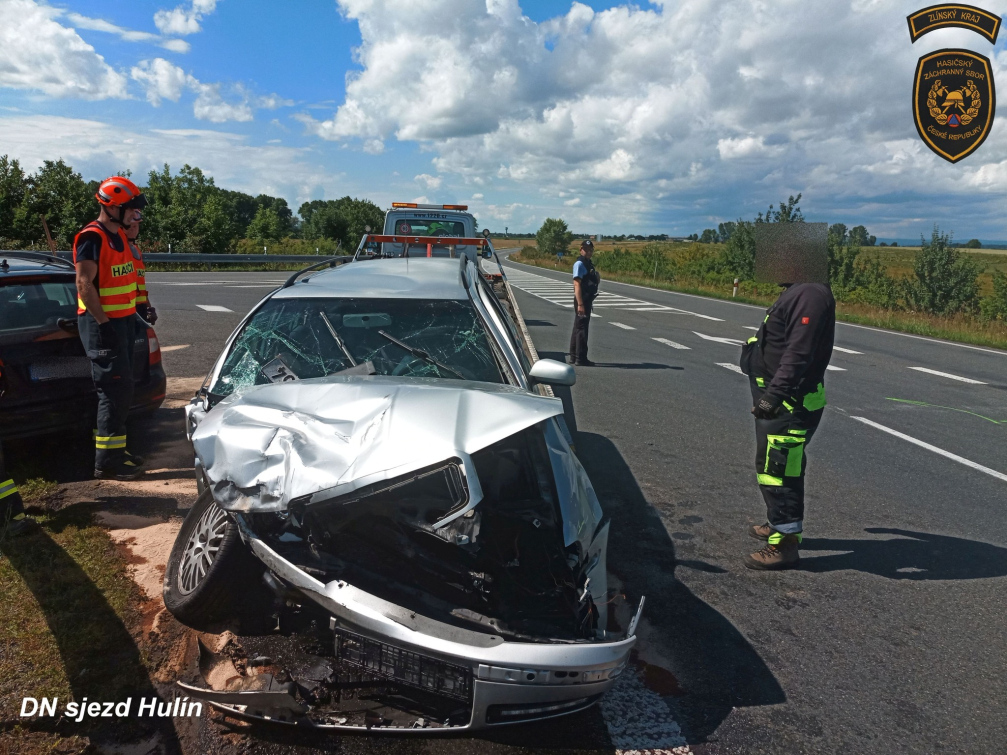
(994,307)
(291,246)
(946,281)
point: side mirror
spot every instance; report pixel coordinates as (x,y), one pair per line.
(486,233)
(551,372)
(487,254)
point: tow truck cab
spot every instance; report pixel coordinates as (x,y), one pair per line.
(411,219)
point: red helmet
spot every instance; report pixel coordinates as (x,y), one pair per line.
(117,191)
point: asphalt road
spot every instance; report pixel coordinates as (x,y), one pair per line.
(890,638)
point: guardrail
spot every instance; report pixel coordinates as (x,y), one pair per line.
(222,259)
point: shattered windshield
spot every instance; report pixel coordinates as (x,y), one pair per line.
(297,339)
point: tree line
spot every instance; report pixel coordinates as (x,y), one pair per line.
(186,210)
(944,280)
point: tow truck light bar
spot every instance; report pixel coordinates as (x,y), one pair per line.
(414,206)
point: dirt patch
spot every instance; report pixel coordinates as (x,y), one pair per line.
(180,390)
(146,542)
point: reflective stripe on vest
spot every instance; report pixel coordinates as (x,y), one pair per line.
(117,289)
(141,275)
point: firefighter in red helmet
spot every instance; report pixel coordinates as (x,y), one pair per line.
(106,312)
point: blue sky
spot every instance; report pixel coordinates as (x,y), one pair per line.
(651,117)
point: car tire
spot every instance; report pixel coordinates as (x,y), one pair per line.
(211,576)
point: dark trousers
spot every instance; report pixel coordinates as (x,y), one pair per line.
(781,461)
(11,504)
(112,372)
(581,325)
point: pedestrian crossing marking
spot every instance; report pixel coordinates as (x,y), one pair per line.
(561,294)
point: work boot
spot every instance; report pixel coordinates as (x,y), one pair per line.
(782,555)
(138,460)
(584,363)
(761,531)
(17,526)
(122,469)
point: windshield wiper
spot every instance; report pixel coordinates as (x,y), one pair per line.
(420,354)
(338,339)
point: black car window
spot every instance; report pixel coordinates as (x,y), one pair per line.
(290,339)
(35,305)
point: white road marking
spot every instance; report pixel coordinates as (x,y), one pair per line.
(174,348)
(935,449)
(672,344)
(718,339)
(846,351)
(948,375)
(624,327)
(551,290)
(213,308)
(833,368)
(732,367)
(749,327)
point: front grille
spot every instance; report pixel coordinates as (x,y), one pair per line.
(507,714)
(59,368)
(403,666)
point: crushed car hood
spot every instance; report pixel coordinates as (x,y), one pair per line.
(269,445)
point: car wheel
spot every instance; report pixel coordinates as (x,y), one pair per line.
(210,573)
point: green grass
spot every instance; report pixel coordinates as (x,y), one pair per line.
(65,617)
(961,329)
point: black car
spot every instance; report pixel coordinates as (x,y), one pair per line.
(45,377)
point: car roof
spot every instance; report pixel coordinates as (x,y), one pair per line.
(384,278)
(26,263)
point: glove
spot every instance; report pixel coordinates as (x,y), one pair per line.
(108,338)
(768,407)
(151,315)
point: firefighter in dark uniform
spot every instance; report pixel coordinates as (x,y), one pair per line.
(586,281)
(106,314)
(786,362)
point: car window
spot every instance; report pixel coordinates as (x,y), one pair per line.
(36,305)
(296,339)
(428,227)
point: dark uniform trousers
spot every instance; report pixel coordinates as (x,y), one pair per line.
(581,325)
(113,378)
(781,460)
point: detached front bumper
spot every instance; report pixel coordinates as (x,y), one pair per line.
(511,682)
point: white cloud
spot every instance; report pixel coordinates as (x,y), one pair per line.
(165,80)
(697,109)
(431,182)
(184,19)
(128,35)
(211,106)
(37,53)
(98,149)
(161,79)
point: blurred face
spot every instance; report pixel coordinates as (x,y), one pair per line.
(134,217)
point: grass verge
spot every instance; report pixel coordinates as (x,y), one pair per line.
(959,329)
(68,617)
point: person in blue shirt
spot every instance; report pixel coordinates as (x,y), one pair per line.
(585,288)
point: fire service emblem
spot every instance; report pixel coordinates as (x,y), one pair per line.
(954,100)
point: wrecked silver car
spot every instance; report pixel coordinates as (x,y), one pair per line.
(374,440)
